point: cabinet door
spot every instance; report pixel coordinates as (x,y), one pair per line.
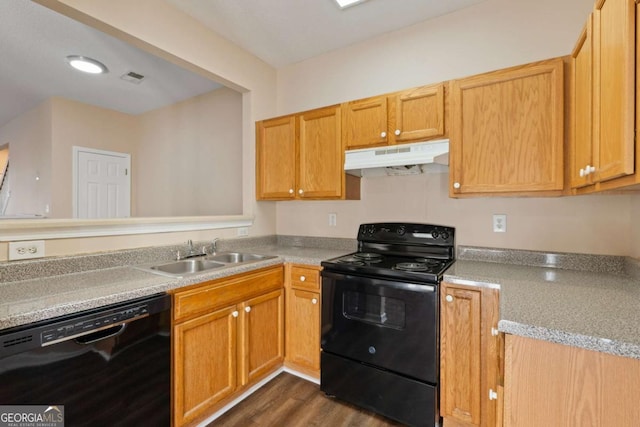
(582,109)
(303,329)
(507,131)
(204,363)
(276,158)
(614,60)
(364,122)
(460,354)
(321,159)
(262,335)
(417,114)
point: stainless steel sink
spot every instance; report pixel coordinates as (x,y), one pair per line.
(187,266)
(237,257)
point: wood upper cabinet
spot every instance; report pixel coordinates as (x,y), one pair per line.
(302,157)
(507,133)
(582,159)
(469,355)
(402,117)
(303,319)
(227,334)
(276,158)
(548,384)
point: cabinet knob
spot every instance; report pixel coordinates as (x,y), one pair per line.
(302,278)
(587,170)
(235,313)
(291,191)
(582,173)
(495,332)
(314,300)
(383,134)
(449,298)
(456,185)
(397,132)
(493,395)
(300,191)
(592,169)
(247,309)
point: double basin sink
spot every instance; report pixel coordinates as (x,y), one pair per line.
(202,264)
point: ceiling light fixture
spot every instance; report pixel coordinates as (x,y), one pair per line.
(348,3)
(87,65)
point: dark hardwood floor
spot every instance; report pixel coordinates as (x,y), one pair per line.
(289,401)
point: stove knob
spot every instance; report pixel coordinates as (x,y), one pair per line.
(372,229)
(435,234)
(444,235)
(401,230)
(372,350)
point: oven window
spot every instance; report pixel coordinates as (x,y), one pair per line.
(374,309)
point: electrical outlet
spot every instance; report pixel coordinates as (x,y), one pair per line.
(26,250)
(333,219)
(499,223)
(243,231)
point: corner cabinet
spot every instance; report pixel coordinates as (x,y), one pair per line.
(603,102)
(227,335)
(302,157)
(303,319)
(411,115)
(507,132)
(469,356)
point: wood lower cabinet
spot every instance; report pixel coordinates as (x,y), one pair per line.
(301,156)
(227,334)
(548,384)
(303,319)
(507,132)
(469,355)
(411,115)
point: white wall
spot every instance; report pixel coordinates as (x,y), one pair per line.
(490,35)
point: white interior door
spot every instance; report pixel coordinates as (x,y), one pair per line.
(102,184)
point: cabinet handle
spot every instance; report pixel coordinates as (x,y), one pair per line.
(456,185)
(314,300)
(235,313)
(291,190)
(495,332)
(397,132)
(247,309)
(493,395)
(383,134)
(302,278)
(449,298)
(300,191)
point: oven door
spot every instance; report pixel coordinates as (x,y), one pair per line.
(385,323)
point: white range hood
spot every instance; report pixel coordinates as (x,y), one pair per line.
(407,159)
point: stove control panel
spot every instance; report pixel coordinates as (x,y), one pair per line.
(407,233)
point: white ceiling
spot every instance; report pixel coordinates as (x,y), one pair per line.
(282,32)
(34,42)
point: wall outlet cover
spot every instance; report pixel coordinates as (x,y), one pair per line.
(26,250)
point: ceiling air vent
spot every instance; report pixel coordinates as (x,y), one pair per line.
(132,77)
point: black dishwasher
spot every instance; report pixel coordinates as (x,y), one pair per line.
(107,366)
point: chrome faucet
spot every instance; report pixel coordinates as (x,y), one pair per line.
(191,253)
(214,245)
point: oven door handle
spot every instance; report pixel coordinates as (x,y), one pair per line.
(389,283)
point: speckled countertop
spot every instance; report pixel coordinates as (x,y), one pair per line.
(35,299)
(596,310)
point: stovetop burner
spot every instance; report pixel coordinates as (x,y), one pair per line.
(351,260)
(411,266)
(368,256)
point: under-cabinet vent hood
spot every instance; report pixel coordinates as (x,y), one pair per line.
(407,159)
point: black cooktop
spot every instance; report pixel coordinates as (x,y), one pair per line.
(399,251)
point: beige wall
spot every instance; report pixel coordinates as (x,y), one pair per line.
(29,139)
(75,123)
(635,226)
(189,157)
(484,37)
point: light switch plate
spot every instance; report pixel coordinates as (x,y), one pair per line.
(26,250)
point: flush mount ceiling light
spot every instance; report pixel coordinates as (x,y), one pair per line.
(87,65)
(348,3)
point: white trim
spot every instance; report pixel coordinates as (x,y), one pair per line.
(74,170)
(301,375)
(38,229)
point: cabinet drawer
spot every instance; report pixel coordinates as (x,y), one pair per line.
(226,291)
(307,278)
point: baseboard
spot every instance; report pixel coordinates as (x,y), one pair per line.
(301,375)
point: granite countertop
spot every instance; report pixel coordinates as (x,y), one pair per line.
(35,299)
(595,310)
